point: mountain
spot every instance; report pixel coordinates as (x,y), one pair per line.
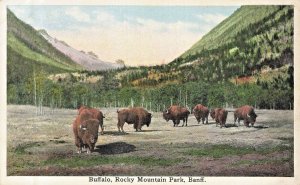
(252,41)
(28,53)
(88,60)
(26,42)
(252,46)
(226,31)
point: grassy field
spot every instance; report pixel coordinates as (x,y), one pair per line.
(44,145)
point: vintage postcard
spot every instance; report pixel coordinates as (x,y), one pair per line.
(149,92)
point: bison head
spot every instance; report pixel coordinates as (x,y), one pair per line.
(93,138)
(213,113)
(166,115)
(148,119)
(252,117)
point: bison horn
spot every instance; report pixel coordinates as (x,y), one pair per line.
(83,128)
(167,111)
(248,115)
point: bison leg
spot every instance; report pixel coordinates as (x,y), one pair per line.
(206,119)
(203,119)
(186,120)
(222,124)
(182,122)
(88,151)
(120,126)
(234,119)
(174,123)
(102,129)
(177,122)
(139,127)
(239,121)
(78,144)
(246,123)
(90,148)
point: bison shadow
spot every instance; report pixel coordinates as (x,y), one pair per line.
(191,125)
(229,125)
(115,133)
(115,148)
(154,130)
(261,127)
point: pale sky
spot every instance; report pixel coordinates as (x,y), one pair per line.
(139,35)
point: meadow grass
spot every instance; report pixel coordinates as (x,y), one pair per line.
(219,151)
(88,161)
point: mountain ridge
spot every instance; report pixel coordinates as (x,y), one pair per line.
(89,62)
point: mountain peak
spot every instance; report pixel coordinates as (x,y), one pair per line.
(89,60)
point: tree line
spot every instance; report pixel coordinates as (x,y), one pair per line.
(40,91)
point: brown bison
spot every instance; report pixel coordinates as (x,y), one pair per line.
(176,113)
(201,113)
(219,115)
(97,114)
(137,116)
(85,129)
(245,113)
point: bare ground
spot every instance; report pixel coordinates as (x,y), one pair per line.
(34,140)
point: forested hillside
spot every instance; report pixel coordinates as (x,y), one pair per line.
(252,40)
(246,59)
(28,53)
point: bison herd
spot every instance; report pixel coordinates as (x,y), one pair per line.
(89,120)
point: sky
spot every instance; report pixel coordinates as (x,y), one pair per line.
(139,35)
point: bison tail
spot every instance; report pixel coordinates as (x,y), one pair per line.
(118,111)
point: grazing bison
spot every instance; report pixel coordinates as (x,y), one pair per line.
(85,129)
(137,116)
(220,115)
(245,113)
(176,113)
(201,113)
(96,114)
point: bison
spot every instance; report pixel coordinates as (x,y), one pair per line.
(220,115)
(176,113)
(201,113)
(245,113)
(96,114)
(137,116)
(85,129)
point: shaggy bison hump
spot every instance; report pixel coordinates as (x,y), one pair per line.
(176,113)
(96,114)
(137,116)
(219,115)
(245,113)
(85,129)
(201,113)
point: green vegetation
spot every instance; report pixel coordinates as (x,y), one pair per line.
(16,45)
(27,35)
(21,148)
(89,161)
(227,30)
(219,151)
